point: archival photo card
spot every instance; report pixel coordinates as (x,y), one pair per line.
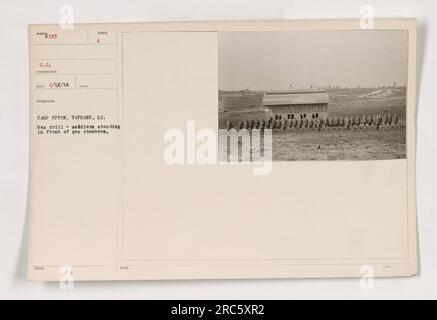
(323,94)
(222,150)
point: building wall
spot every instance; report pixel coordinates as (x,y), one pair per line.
(310,110)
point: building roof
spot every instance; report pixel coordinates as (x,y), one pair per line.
(281,98)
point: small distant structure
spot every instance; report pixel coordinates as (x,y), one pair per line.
(296,104)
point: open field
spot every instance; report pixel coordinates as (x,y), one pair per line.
(331,144)
(355,144)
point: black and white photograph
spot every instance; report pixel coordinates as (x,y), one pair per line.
(325,94)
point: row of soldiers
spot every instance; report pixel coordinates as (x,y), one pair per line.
(363,121)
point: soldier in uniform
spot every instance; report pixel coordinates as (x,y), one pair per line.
(276,123)
(321,123)
(247,124)
(270,123)
(283,124)
(396,119)
(263,124)
(378,122)
(358,121)
(375,120)
(363,120)
(241,125)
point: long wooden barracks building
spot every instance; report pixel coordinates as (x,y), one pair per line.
(297,104)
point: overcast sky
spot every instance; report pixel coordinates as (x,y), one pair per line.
(274,60)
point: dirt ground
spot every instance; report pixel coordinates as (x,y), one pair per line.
(355,144)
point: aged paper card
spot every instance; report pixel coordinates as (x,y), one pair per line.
(214,150)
